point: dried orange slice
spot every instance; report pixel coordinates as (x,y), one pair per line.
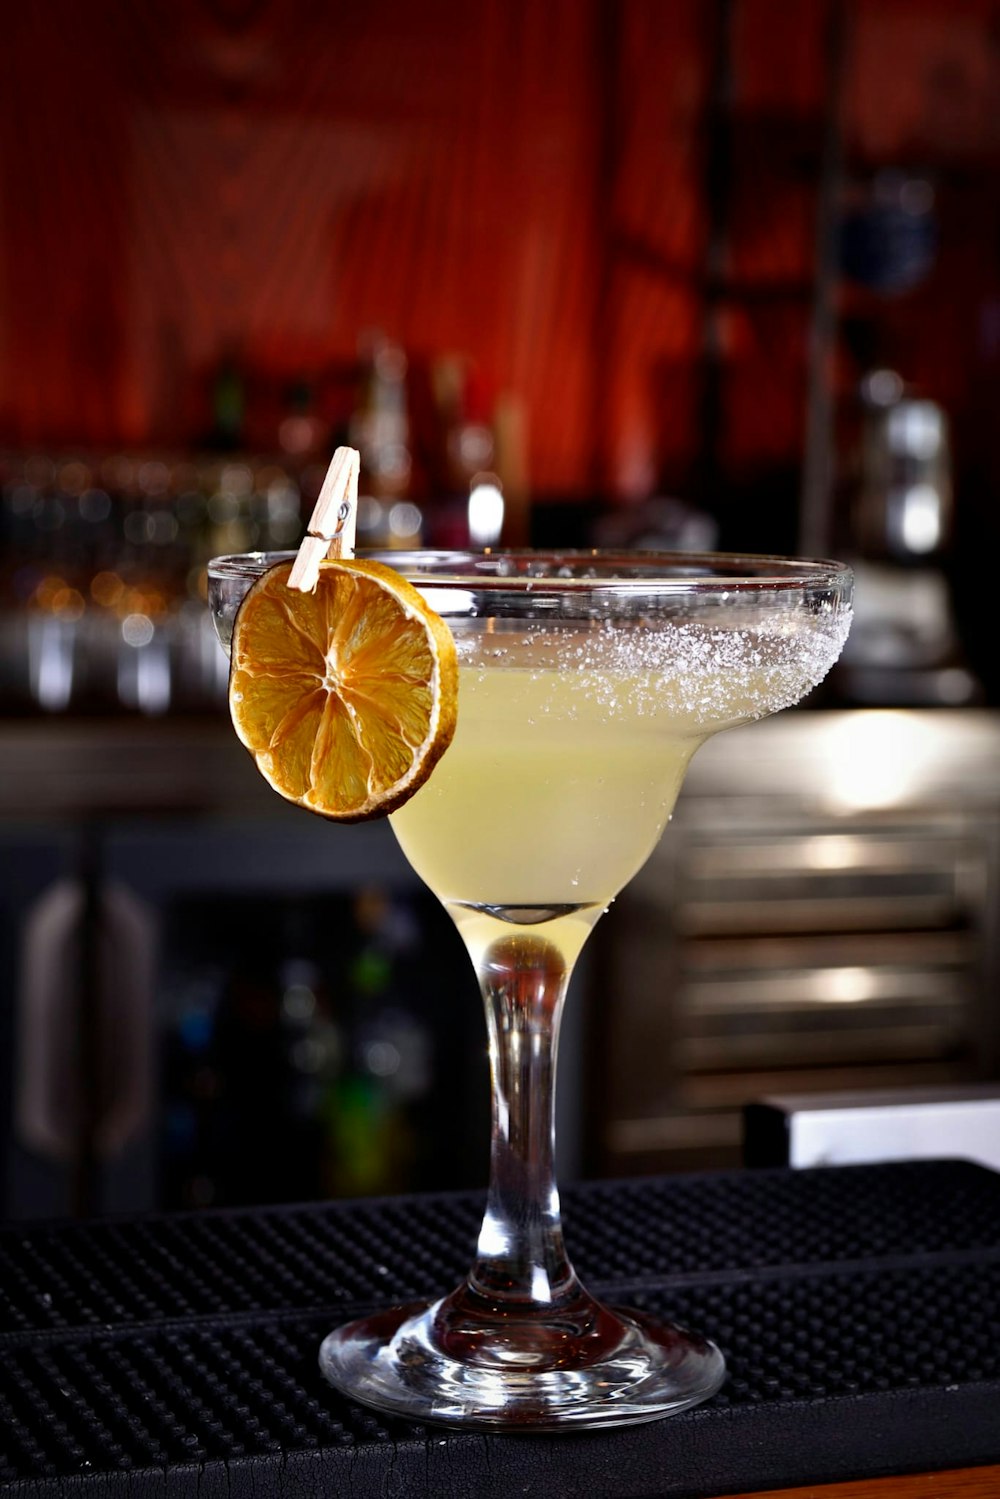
(345,697)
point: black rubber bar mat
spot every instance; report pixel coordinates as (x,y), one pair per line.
(858,1308)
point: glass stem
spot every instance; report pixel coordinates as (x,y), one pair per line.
(521,1257)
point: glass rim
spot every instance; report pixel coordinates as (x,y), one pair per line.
(642,571)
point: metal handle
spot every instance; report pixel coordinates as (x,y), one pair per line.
(50,1089)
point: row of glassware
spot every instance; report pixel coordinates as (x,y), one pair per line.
(102,583)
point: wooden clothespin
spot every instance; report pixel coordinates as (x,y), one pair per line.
(332,525)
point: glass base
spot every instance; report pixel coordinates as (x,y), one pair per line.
(428,1363)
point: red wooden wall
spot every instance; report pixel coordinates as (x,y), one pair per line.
(516,181)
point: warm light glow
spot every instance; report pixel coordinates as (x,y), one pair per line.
(107,589)
(829,852)
(921,519)
(485,512)
(68,603)
(847,986)
(878,759)
(48,590)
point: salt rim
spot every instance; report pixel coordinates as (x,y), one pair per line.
(705,675)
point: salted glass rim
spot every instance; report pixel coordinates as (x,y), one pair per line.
(633,571)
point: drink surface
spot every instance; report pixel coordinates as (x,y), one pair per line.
(570,751)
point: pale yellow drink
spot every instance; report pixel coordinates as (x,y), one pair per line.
(548,795)
(568,756)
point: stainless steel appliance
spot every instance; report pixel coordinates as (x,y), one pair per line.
(904,646)
(823,913)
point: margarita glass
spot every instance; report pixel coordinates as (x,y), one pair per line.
(586,682)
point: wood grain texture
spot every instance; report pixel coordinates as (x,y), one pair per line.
(959,1483)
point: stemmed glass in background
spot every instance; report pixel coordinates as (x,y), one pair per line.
(587,681)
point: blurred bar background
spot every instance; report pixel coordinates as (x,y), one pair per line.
(707,273)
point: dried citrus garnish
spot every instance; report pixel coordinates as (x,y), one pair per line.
(346,697)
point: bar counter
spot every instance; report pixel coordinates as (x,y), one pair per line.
(858,1308)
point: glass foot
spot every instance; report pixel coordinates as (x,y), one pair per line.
(433,1362)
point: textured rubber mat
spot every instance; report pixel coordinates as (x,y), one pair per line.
(859,1311)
